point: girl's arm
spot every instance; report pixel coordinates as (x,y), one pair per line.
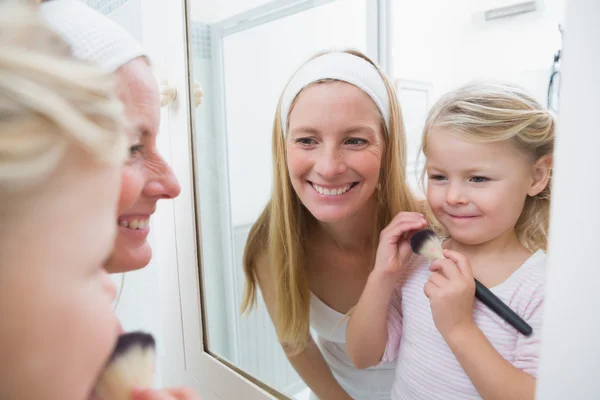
(367,332)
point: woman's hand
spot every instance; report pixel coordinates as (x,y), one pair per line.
(165,394)
(394,248)
(451,292)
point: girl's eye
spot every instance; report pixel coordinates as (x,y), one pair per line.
(437,177)
(479,179)
(356,141)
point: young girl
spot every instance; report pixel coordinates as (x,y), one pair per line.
(489,158)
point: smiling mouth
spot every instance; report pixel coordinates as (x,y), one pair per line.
(463,216)
(336,191)
(136,224)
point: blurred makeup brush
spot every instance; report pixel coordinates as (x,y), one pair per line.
(427,244)
(130,366)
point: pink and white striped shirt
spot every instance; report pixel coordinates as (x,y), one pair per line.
(426,367)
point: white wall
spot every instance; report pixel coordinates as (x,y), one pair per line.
(570,346)
(448,43)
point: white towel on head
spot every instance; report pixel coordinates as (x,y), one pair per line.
(342,66)
(92,36)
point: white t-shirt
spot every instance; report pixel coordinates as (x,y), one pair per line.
(373,383)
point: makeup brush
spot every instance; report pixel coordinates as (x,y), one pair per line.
(427,244)
(130,366)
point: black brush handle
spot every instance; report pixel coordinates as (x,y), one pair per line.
(488,298)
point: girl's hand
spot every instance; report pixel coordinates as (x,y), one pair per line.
(451,292)
(394,248)
(164,394)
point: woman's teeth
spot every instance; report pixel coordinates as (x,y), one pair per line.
(135,223)
(333,191)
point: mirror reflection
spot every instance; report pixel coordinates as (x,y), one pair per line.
(344,167)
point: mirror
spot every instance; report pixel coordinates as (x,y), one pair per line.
(242,55)
(242,65)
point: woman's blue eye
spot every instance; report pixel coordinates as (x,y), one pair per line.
(306,141)
(135,149)
(356,141)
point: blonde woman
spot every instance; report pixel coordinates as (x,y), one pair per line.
(339,180)
(146,178)
(488,150)
(62,147)
(62,144)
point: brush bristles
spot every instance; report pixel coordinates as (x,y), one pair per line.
(131,366)
(132,339)
(427,244)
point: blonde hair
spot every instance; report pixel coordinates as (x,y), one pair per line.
(49,101)
(488,113)
(281,230)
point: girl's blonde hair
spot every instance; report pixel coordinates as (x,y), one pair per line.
(49,102)
(488,113)
(281,231)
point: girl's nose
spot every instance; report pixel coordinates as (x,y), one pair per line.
(455,195)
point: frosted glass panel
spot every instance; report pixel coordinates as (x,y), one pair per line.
(258,64)
(218,10)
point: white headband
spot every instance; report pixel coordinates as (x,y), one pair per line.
(344,67)
(93,37)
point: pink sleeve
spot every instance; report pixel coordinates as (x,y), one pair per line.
(527,355)
(394,326)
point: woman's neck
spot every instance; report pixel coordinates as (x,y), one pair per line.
(353,234)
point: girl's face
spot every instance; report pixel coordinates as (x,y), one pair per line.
(477,190)
(58,328)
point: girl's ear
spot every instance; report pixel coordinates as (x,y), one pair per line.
(542,171)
